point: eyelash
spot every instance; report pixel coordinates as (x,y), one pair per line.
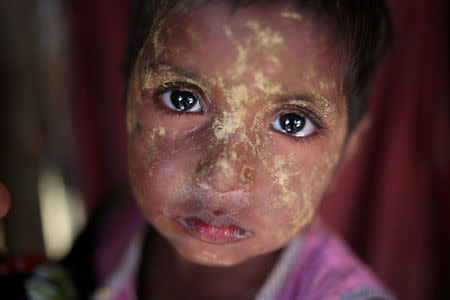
(307,113)
(174,86)
(320,129)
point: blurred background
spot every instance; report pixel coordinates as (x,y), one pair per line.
(62,138)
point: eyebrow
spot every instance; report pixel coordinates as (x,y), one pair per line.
(310,97)
(172,68)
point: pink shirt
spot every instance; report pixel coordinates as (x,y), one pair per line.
(315,265)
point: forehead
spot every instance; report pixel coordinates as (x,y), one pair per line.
(256,42)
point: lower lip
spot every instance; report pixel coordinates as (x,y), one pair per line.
(213,234)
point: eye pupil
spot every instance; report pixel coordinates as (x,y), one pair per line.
(183,100)
(292,123)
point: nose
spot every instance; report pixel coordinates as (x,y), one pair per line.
(228,166)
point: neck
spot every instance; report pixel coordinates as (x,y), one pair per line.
(165,274)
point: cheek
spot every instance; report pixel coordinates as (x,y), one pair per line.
(296,180)
(155,168)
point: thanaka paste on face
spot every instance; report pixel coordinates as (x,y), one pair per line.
(238,99)
(230,124)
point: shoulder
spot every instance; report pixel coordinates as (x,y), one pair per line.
(98,250)
(327,269)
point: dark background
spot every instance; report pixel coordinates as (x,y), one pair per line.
(61,113)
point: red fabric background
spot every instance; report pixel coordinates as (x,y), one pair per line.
(391,200)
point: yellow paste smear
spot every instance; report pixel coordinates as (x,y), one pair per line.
(151,149)
(230,121)
(265,85)
(291,15)
(265,36)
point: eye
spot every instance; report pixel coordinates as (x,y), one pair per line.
(181,100)
(294,124)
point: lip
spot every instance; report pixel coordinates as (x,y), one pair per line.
(214,229)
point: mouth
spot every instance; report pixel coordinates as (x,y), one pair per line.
(214,229)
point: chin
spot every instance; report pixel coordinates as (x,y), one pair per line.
(209,255)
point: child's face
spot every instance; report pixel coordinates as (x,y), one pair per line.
(236,122)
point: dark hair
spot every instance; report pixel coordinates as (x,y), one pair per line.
(363,25)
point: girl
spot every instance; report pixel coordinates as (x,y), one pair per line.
(238,115)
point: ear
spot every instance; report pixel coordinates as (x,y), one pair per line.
(356,137)
(5,200)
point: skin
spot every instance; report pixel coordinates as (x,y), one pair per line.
(247,68)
